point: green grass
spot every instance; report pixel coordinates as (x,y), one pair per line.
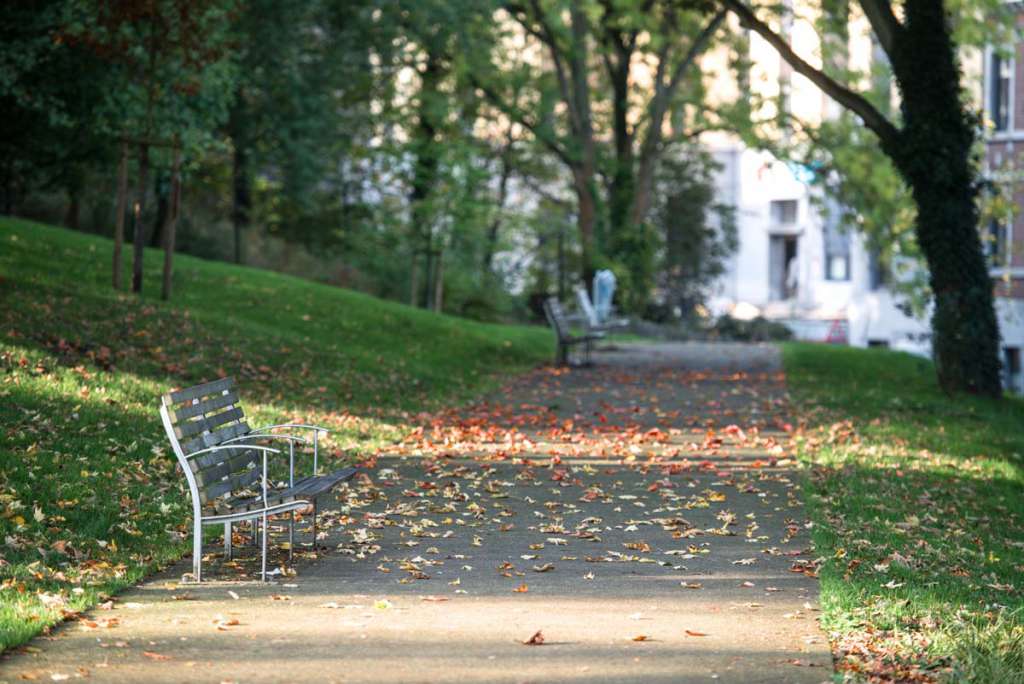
(90,495)
(917,501)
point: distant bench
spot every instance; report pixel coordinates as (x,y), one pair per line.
(227,471)
(566,340)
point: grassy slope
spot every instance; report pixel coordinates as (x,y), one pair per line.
(89,494)
(919,511)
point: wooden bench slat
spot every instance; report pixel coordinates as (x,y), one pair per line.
(304,489)
(235,482)
(198,391)
(206,406)
(234,461)
(214,438)
(209,424)
(205,461)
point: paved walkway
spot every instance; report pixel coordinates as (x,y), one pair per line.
(640,515)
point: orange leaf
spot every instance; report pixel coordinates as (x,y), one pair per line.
(536,640)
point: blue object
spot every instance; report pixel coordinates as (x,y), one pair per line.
(604,290)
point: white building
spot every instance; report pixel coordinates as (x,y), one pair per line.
(795,266)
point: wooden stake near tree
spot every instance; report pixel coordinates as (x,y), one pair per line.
(122,206)
(140,235)
(171,221)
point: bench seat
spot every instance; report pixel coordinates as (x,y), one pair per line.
(302,491)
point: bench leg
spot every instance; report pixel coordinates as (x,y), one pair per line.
(227,541)
(197,552)
(291,534)
(263,542)
(314,524)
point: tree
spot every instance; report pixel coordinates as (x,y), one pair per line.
(931,146)
(172,67)
(301,97)
(50,93)
(584,93)
(697,233)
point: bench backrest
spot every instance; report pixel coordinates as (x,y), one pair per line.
(203,416)
(583,299)
(556,317)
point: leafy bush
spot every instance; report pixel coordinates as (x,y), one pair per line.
(759,329)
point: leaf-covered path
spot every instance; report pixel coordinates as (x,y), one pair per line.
(635,521)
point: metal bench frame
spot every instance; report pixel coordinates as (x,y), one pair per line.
(565,339)
(208,416)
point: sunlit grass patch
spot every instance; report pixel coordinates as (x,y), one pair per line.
(918,506)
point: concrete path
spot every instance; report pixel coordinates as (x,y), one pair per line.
(640,515)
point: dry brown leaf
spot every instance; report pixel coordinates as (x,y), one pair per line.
(536,640)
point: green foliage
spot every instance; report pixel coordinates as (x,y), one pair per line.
(170,61)
(83,367)
(697,233)
(758,329)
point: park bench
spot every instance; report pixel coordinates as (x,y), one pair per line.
(590,315)
(566,340)
(226,468)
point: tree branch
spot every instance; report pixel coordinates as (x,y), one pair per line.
(849,99)
(883,22)
(519,116)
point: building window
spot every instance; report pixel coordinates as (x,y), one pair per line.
(782,267)
(837,248)
(783,212)
(995,242)
(999,91)
(878,275)
(1011,370)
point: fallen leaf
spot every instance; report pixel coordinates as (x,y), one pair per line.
(692,633)
(536,640)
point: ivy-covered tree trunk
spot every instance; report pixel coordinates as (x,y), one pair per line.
(933,152)
(932,149)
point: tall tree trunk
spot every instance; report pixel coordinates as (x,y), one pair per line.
(438,302)
(122,207)
(424,170)
(241,185)
(171,226)
(623,182)
(73,212)
(492,231)
(162,191)
(139,238)
(586,219)
(933,152)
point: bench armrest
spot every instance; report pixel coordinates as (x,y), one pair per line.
(224,447)
(317,429)
(299,426)
(291,439)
